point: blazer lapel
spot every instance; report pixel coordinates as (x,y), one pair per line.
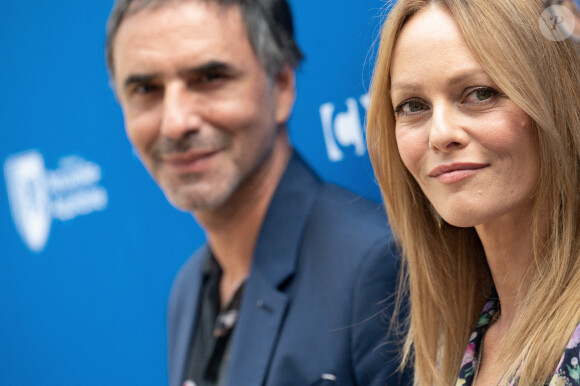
(253,348)
(265,301)
(182,327)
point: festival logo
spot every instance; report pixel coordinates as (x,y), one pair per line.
(343,129)
(39,196)
(29,199)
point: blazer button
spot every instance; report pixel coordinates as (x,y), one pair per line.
(260,303)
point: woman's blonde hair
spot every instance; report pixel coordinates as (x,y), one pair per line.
(445,272)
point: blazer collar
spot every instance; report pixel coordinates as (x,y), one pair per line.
(278,243)
(264,301)
(184,325)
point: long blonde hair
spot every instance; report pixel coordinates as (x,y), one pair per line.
(445,272)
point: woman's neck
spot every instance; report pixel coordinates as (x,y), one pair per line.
(508,247)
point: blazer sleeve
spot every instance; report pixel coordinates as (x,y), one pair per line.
(376,348)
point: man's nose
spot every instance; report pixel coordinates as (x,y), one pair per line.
(180,112)
(446,132)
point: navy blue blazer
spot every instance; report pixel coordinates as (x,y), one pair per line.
(318,299)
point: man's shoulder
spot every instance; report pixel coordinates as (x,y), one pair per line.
(348,235)
(345,211)
(337,223)
(320,216)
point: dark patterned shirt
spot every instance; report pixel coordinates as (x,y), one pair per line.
(567,372)
(209,349)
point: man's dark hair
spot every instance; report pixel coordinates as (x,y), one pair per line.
(268,23)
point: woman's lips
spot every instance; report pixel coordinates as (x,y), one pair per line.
(455,172)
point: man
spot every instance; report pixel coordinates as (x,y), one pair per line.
(289,288)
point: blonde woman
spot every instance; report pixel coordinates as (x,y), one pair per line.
(474,134)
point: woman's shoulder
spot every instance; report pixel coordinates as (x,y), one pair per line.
(568,370)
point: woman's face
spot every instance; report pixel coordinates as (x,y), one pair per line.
(469,147)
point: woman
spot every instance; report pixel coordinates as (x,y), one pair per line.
(474,135)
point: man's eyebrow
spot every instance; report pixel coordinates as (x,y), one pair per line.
(209,67)
(138,79)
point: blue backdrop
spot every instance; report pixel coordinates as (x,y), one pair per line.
(88,244)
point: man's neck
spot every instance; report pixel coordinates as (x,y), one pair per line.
(232,230)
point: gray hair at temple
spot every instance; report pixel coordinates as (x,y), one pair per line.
(268,23)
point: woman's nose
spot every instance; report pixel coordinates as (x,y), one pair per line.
(446,132)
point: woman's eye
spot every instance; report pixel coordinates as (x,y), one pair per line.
(415,106)
(410,107)
(481,95)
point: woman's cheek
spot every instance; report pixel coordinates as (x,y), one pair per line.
(412,147)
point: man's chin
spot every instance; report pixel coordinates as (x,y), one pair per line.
(193,201)
(188,204)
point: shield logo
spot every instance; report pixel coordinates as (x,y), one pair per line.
(28,193)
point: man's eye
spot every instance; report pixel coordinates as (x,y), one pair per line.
(411,107)
(210,77)
(144,89)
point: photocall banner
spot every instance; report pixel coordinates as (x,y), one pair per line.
(89,245)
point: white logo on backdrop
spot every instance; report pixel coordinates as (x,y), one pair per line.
(344,129)
(38,196)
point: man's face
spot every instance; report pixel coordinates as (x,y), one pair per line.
(198,104)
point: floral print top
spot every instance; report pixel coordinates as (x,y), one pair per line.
(567,372)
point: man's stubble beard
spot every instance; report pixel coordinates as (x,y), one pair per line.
(207,197)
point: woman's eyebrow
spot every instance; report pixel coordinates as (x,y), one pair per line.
(404,86)
(475,74)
